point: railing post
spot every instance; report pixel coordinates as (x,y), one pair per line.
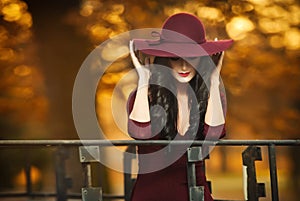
(28,179)
(273,172)
(88,155)
(127,163)
(254,189)
(62,183)
(196,193)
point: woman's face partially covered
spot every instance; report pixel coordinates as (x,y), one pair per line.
(183,69)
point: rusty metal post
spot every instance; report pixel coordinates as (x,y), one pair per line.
(273,172)
(196,193)
(62,183)
(28,179)
(254,189)
(128,180)
(88,155)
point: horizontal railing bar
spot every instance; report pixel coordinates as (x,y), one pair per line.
(104,195)
(45,194)
(49,143)
(37,194)
(71,195)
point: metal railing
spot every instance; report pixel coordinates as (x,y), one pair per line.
(250,155)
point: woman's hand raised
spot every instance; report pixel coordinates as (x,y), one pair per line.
(214,115)
(142,69)
(140,111)
(218,60)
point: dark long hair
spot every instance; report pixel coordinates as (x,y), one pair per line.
(163,101)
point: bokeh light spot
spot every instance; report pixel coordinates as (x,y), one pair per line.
(238,27)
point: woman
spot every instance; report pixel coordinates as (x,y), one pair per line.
(178,98)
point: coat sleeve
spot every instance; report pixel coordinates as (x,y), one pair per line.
(216,132)
(137,130)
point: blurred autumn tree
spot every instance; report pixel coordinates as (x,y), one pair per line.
(23,103)
(22,100)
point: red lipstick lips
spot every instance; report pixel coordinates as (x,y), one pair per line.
(184,74)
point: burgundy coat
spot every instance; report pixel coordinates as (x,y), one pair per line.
(163,176)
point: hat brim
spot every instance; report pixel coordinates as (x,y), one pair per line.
(173,49)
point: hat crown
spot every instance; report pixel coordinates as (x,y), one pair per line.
(185,24)
(181,35)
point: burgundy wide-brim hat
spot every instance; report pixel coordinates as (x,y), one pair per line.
(182,35)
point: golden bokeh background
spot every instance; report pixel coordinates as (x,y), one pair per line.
(43,44)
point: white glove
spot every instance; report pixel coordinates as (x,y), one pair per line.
(214,114)
(142,70)
(215,76)
(140,111)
